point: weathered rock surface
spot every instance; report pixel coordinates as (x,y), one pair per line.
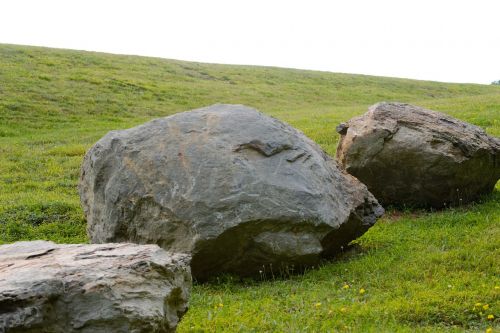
(408,155)
(46,287)
(235,188)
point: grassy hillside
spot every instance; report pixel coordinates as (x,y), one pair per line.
(420,271)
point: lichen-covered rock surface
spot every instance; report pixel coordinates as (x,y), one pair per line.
(89,288)
(240,191)
(411,156)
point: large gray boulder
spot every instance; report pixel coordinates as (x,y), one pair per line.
(240,191)
(45,287)
(411,156)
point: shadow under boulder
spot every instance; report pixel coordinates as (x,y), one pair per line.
(236,189)
(410,156)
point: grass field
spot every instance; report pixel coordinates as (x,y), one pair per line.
(420,271)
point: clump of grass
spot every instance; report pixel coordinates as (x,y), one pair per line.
(57,221)
(68,150)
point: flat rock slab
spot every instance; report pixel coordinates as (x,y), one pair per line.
(47,287)
(242,192)
(411,156)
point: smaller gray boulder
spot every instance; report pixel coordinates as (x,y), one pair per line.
(47,287)
(407,155)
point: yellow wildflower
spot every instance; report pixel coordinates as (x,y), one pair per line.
(491,317)
(489,330)
(486,307)
(221,305)
(317,304)
(362,291)
(346,286)
(477,305)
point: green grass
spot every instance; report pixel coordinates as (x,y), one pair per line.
(422,272)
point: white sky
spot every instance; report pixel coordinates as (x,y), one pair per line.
(443,40)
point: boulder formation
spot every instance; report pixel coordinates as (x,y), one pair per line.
(47,287)
(411,156)
(242,192)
